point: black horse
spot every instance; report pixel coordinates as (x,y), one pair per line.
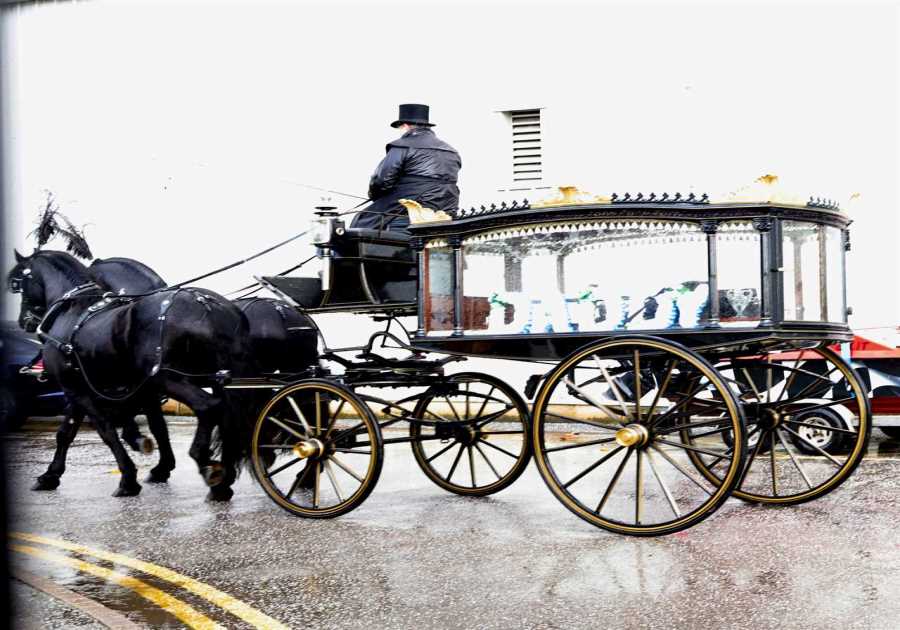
(281,340)
(119,275)
(105,352)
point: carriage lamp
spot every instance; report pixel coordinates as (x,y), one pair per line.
(321,227)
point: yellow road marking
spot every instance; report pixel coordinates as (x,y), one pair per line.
(187,614)
(223,600)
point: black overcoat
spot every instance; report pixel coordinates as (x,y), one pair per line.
(417,166)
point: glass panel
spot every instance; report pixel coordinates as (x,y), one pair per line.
(739,274)
(834,271)
(567,277)
(805,284)
(438,288)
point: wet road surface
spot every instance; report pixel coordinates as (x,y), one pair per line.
(415,556)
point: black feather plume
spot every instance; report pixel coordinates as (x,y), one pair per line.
(48,226)
(76,242)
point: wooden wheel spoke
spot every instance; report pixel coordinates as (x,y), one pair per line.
(695,425)
(455,463)
(661,390)
(316,493)
(332,421)
(594,402)
(593,423)
(299,413)
(272,473)
(501,432)
(637,394)
(772,465)
(442,451)
(822,427)
(638,486)
(453,409)
(487,461)
(300,478)
(692,448)
(680,468)
(342,434)
(795,461)
(484,420)
(579,445)
(679,404)
(334,481)
(808,443)
(662,484)
(286,427)
(612,482)
(472,465)
(346,468)
(613,387)
(593,466)
(839,401)
(753,454)
(495,447)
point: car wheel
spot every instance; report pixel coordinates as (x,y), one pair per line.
(815,428)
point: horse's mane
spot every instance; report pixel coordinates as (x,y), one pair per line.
(137,265)
(65,264)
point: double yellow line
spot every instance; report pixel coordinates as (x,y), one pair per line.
(189,615)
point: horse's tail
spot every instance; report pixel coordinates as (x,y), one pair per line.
(239,420)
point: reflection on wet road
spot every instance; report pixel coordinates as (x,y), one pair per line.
(415,556)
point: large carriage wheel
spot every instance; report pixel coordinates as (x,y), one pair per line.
(479,443)
(605,439)
(808,414)
(317,449)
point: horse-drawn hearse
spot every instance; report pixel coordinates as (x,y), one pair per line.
(682,352)
(683,345)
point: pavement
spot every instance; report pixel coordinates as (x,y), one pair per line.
(415,556)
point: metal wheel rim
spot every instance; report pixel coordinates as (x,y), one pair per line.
(717,493)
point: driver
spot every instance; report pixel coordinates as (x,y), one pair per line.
(418,166)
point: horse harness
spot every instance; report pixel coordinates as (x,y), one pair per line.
(108,300)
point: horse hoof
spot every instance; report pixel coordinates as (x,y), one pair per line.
(222,493)
(46,483)
(147,445)
(157,476)
(213,474)
(128,490)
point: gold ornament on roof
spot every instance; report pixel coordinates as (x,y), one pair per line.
(764,189)
(420,214)
(570,196)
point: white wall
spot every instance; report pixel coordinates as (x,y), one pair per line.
(172,129)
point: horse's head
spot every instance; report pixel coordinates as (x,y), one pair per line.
(41,279)
(22,280)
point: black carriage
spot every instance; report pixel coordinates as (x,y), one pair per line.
(687,350)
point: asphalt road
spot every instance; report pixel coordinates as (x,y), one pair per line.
(415,556)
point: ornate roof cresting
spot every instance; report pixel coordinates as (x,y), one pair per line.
(663,198)
(463,213)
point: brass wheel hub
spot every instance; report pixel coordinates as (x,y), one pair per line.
(633,435)
(309,448)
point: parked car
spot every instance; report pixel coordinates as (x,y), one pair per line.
(27,390)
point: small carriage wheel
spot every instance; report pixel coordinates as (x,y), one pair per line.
(480,442)
(317,449)
(785,394)
(607,440)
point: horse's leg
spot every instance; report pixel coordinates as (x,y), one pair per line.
(128,484)
(208,409)
(131,435)
(64,436)
(157,423)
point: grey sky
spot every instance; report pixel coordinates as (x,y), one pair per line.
(173,128)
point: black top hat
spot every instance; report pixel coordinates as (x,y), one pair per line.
(413,114)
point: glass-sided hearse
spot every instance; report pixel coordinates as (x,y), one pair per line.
(683,346)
